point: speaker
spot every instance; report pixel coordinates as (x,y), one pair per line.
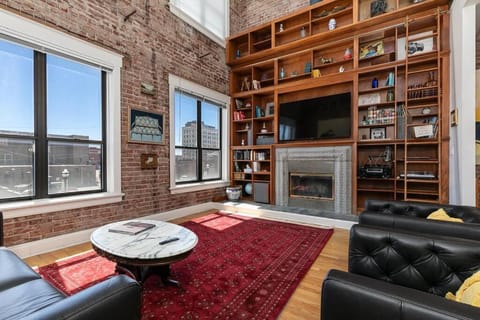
(261,191)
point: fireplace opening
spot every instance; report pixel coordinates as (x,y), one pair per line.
(311,186)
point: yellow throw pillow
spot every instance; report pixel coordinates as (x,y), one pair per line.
(469,291)
(441,215)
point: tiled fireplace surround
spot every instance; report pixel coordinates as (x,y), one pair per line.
(335,160)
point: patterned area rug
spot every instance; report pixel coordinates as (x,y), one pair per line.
(242,268)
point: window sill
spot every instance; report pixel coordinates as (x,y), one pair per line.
(191,187)
(32,207)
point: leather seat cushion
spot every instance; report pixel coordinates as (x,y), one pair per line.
(24,299)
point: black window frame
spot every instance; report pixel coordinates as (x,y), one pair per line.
(41,139)
(199,147)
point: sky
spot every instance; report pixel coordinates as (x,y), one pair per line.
(73,94)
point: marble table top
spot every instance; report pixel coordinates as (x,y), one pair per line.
(145,245)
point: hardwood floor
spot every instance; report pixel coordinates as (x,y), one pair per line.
(305,301)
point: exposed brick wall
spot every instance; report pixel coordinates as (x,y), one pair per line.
(249,13)
(154,43)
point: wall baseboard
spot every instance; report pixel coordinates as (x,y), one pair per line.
(55,243)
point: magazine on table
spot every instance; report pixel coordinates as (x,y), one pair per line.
(132,227)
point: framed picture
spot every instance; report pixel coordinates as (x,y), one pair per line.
(378,133)
(371,49)
(148,161)
(269,109)
(145,126)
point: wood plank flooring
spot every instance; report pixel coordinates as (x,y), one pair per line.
(305,301)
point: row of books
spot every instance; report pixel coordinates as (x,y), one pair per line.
(238,115)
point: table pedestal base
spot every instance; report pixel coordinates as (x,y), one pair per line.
(141,273)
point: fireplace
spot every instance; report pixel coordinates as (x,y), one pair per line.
(311,186)
(314,177)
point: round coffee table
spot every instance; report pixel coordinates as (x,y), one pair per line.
(141,254)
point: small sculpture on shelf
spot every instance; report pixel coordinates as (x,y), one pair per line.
(341,69)
(245,84)
(282,73)
(375,83)
(264,128)
(256,85)
(324,60)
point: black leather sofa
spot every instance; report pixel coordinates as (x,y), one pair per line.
(400,276)
(405,215)
(25,295)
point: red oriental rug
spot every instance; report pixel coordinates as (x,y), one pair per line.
(242,268)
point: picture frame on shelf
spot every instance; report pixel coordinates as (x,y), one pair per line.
(145,126)
(378,133)
(269,109)
(371,49)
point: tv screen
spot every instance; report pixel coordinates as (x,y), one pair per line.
(326,117)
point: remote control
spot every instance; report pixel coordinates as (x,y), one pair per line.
(169,240)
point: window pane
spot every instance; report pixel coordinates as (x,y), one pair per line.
(208,13)
(16,89)
(185,120)
(210,125)
(185,165)
(16,168)
(74,167)
(74,99)
(211,164)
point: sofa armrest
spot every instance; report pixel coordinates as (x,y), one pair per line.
(347,296)
(117,298)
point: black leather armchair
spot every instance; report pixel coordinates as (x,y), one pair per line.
(400,276)
(411,216)
(25,295)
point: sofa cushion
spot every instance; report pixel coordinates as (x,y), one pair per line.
(24,299)
(469,291)
(14,270)
(441,215)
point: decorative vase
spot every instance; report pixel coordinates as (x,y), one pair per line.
(374,83)
(233,193)
(303,32)
(248,189)
(332,24)
(348,54)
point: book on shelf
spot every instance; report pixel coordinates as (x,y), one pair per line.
(132,227)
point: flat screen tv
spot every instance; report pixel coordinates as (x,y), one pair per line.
(327,117)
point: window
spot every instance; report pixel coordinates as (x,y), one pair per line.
(60,109)
(197,147)
(52,140)
(208,16)
(198,115)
